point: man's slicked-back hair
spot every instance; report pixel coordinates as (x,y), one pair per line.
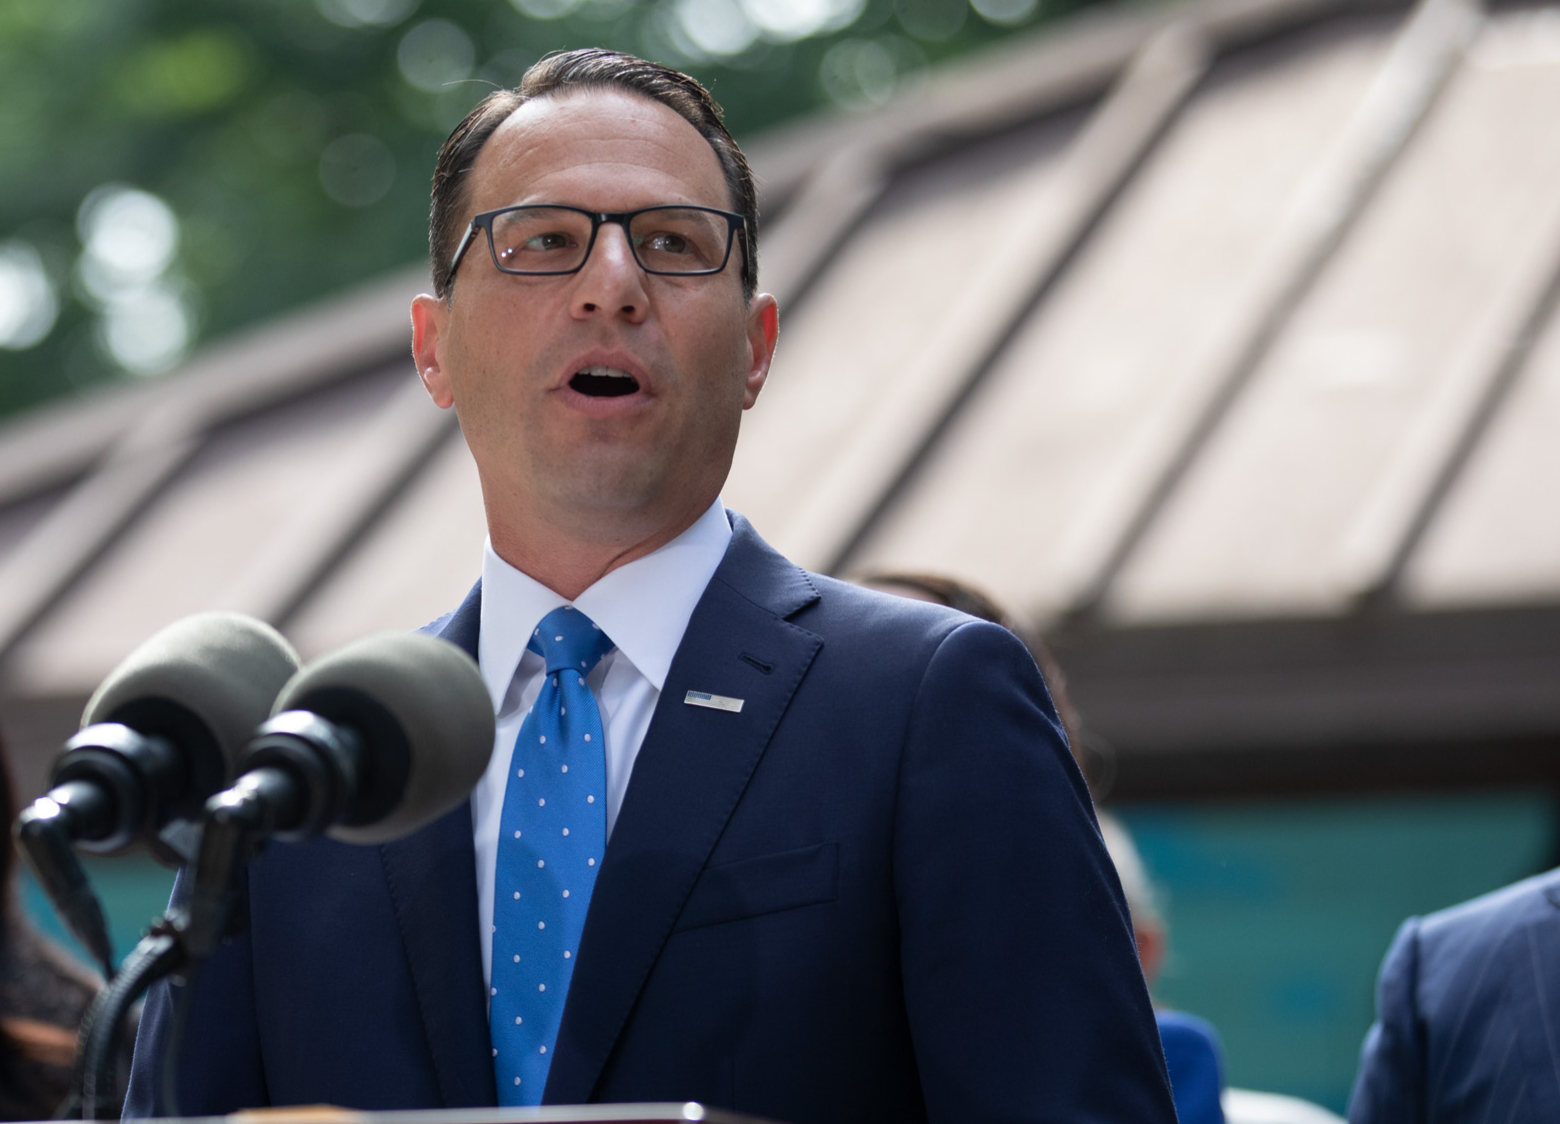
(591,68)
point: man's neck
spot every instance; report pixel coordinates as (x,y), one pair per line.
(569,562)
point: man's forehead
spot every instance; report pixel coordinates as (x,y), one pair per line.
(606,137)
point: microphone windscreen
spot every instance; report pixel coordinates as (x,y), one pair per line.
(224,669)
(440,726)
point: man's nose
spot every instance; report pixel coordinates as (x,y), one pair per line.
(611,282)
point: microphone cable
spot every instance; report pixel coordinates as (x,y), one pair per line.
(94,1073)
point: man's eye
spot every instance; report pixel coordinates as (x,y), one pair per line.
(665,242)
(552,240)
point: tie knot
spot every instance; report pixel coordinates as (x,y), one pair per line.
(569,641)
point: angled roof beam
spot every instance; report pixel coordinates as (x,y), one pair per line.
(819,219)
(823,181)
(47,564)
(370,472)
(1017,80)
(1007,84)
(1396,515)
(1040,245)
(164,427)
(1326,206)
(239,375)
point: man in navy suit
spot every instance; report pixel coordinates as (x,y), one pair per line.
(851,874)
(1468,1019)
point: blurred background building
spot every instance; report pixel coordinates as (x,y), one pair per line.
(1219,339)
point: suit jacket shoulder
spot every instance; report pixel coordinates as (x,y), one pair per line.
(1468,1021)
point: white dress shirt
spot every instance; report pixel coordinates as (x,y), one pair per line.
(644,607)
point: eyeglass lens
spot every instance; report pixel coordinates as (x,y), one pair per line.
(556,239)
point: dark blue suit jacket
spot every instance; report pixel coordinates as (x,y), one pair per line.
(876,894)
(1468,1016)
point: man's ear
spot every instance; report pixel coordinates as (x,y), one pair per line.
(763,333)
(430,317)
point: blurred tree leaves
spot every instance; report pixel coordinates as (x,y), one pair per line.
(193,73)
(293,140)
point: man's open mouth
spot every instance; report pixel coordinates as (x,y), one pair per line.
(604,382)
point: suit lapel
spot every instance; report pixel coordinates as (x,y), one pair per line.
(432,879)
(690,773)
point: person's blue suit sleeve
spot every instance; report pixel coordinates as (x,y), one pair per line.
(219,1068)
(1022,985)
(1390,1087)
(1196,1065)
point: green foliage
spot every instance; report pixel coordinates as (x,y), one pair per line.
(194,73)
(293,139)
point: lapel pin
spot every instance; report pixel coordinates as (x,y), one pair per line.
(714,702)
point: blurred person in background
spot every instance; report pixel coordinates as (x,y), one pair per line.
(43,994)
(1468,1015)
(1193,1053)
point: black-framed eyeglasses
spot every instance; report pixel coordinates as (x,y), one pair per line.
(552,239)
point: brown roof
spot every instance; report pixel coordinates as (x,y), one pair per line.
(1219,339)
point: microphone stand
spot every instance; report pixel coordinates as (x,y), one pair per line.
(112,785)
(44,835)
(237,824)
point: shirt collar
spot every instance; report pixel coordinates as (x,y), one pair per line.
(644,605)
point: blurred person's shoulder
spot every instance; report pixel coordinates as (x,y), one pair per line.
(39,980)
(44,992)
(1493,915)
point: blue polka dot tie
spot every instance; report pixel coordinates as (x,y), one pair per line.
(551,837)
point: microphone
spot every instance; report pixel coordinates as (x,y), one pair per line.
(158,737)
(372,742)
(367,745)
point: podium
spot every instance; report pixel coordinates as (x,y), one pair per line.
(685,1113)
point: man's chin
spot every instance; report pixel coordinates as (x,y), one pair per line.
(615,497)
(613,493)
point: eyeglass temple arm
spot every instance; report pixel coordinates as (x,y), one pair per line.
(460,251)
